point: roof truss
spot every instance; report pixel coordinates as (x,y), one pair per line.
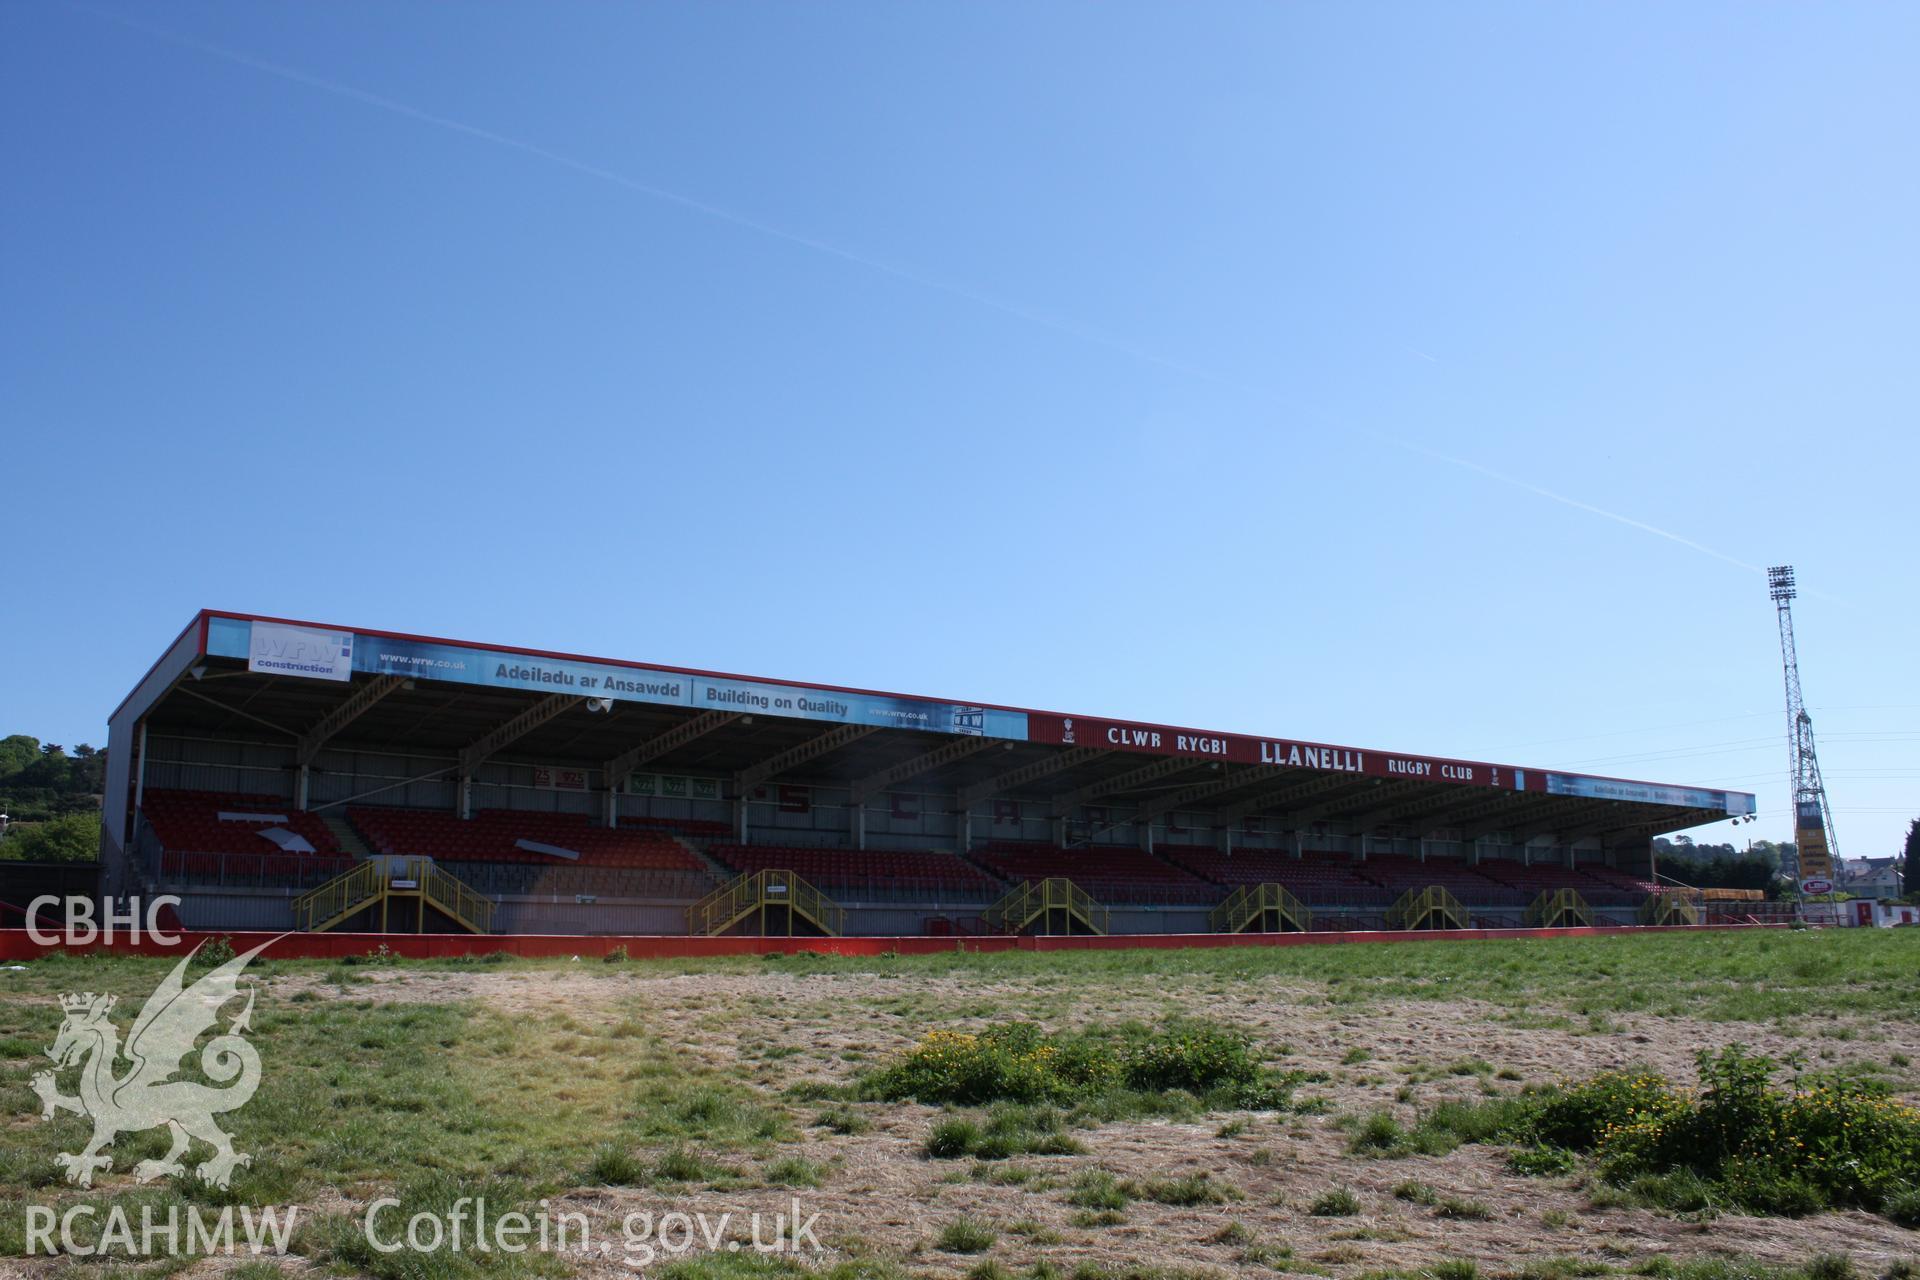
(615,771)
(812,749)
(1154,809)
(363,700)
(1031,772)
(496,740)
(938,758)
(1132,779)
(1278,796)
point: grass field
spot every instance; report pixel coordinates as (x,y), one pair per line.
(1368,1146)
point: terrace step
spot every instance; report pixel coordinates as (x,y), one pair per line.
(347,834)
(720,872)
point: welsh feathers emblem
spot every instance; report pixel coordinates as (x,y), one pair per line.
(145,1095)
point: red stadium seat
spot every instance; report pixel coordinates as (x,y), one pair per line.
(851,872)
(1111,873)
(190,821)
(493,835)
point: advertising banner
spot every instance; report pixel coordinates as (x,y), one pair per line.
(1574,784)
(279,650)
(323,654)
(1160,740)
(710,694)
(654,784)
(1810,837)
(336,655)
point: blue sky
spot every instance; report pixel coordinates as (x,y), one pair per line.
(1426,377)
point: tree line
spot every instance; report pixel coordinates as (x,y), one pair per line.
(1721,866)
(1911,853)
(51,799)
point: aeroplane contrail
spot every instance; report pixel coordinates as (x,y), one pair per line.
(421,116)
(396,107)
(1578,505)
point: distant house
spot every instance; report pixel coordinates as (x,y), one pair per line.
(1871,878)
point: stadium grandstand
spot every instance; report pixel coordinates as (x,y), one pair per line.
(277,775)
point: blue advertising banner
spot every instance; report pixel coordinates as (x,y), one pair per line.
(1574,784)
(495,669)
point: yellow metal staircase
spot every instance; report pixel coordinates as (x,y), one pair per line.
(1558,908)
(1670,906)
(1429,908)
(1264,908)
(1057,901)
(777,901)
(372,884)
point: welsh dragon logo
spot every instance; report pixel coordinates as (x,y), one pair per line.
(146,1096)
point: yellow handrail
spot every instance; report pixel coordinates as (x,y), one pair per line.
(1554,907)
(452,895)
(1029,900)
(1416,909)
(358,885)
(365,884)
(1669,907)
(1010,906)
(727,905)
(1252,902)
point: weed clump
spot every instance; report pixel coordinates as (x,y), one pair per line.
(219,951)
(1769,1150)
(792,1171)
(1006,1131)
(1470,1210)
(1184,1065)
(1193,1189)
(1579,1118)
(1100,1190)
(843,1120)
(966,1235)
(1379,1132)
(1541,1162)
(617,1167)
(1451,1123)
(1338,1203)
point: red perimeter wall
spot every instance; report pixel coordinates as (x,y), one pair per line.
(15,945)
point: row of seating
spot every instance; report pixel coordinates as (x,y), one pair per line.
(1398,873)
(496,878)
(1319,878)
(697,827)
(493,835)
(1314,878)
(190,820)
(654,860)
(1601,886)
(857,872)
(1109,873)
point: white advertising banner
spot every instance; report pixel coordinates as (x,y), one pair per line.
(279,650)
